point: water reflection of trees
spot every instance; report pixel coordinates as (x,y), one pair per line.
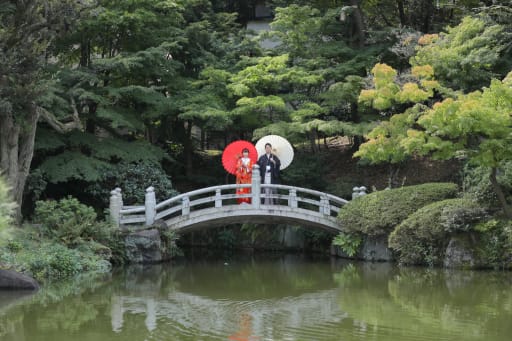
(285,299)
(45,311)
(428,302)
(177,301)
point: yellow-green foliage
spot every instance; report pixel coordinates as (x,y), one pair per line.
(387,92)
(465,55)
(378,213)
(384,141)
(422,237)
(453,123)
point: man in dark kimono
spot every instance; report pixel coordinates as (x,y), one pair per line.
(269,167)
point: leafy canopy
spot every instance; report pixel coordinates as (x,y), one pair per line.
(466,56)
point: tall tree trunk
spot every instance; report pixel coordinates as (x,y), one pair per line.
(16,151)
(357,141)
(394,169)
(358,23)
(312,141)
(427,16)
(188,145)
(203,139)
(401,12)
(499,192)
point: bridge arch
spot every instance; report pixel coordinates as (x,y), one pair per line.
(217,205)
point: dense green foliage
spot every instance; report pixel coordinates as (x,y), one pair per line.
(308,171)
(495,247)
(476,126)
(348,242)
(467,55)
(67,240)
(476,184)
(423,237)
(378,213)
(69,222)
(48,259)
(133,179)
(6,206)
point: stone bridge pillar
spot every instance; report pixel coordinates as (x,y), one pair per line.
(256,187)
(150,205)
(115,206)
(292,199)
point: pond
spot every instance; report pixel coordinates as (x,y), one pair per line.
(276,297)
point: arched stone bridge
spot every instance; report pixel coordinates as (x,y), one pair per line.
(217,205)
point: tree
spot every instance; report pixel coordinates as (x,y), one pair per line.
(476,126)
(391,94)
(466,56)
(27,30)
(296,28)
(322,76)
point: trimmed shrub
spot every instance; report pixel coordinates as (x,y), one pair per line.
(422,237)
(380,212)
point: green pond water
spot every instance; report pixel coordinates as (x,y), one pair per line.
(265,298)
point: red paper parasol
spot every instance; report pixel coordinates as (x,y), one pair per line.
(233,152)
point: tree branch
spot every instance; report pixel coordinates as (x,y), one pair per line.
(58,125)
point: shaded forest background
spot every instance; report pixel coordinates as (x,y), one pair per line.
(98,94)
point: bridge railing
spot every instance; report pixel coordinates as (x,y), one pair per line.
(296,198)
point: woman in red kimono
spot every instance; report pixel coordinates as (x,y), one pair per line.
(243,174)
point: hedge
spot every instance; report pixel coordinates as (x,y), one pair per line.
(378,213)
(422,238)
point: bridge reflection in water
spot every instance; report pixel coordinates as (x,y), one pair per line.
(231,306)
(315,302)
(198,313)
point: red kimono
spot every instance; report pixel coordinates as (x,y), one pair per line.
(243,174)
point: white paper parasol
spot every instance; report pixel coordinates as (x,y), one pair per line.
(280,147)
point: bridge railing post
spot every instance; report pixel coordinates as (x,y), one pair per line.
(120,197)
(256,187)
(327,206)
(292,199)
(218,198)
(185,208)
(150,205)
(324,207)
(115,206)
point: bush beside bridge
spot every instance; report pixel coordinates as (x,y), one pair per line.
(378,213)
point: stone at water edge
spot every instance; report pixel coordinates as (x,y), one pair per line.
(12,280)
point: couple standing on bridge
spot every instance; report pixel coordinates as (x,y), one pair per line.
(272,153)
(270,166)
